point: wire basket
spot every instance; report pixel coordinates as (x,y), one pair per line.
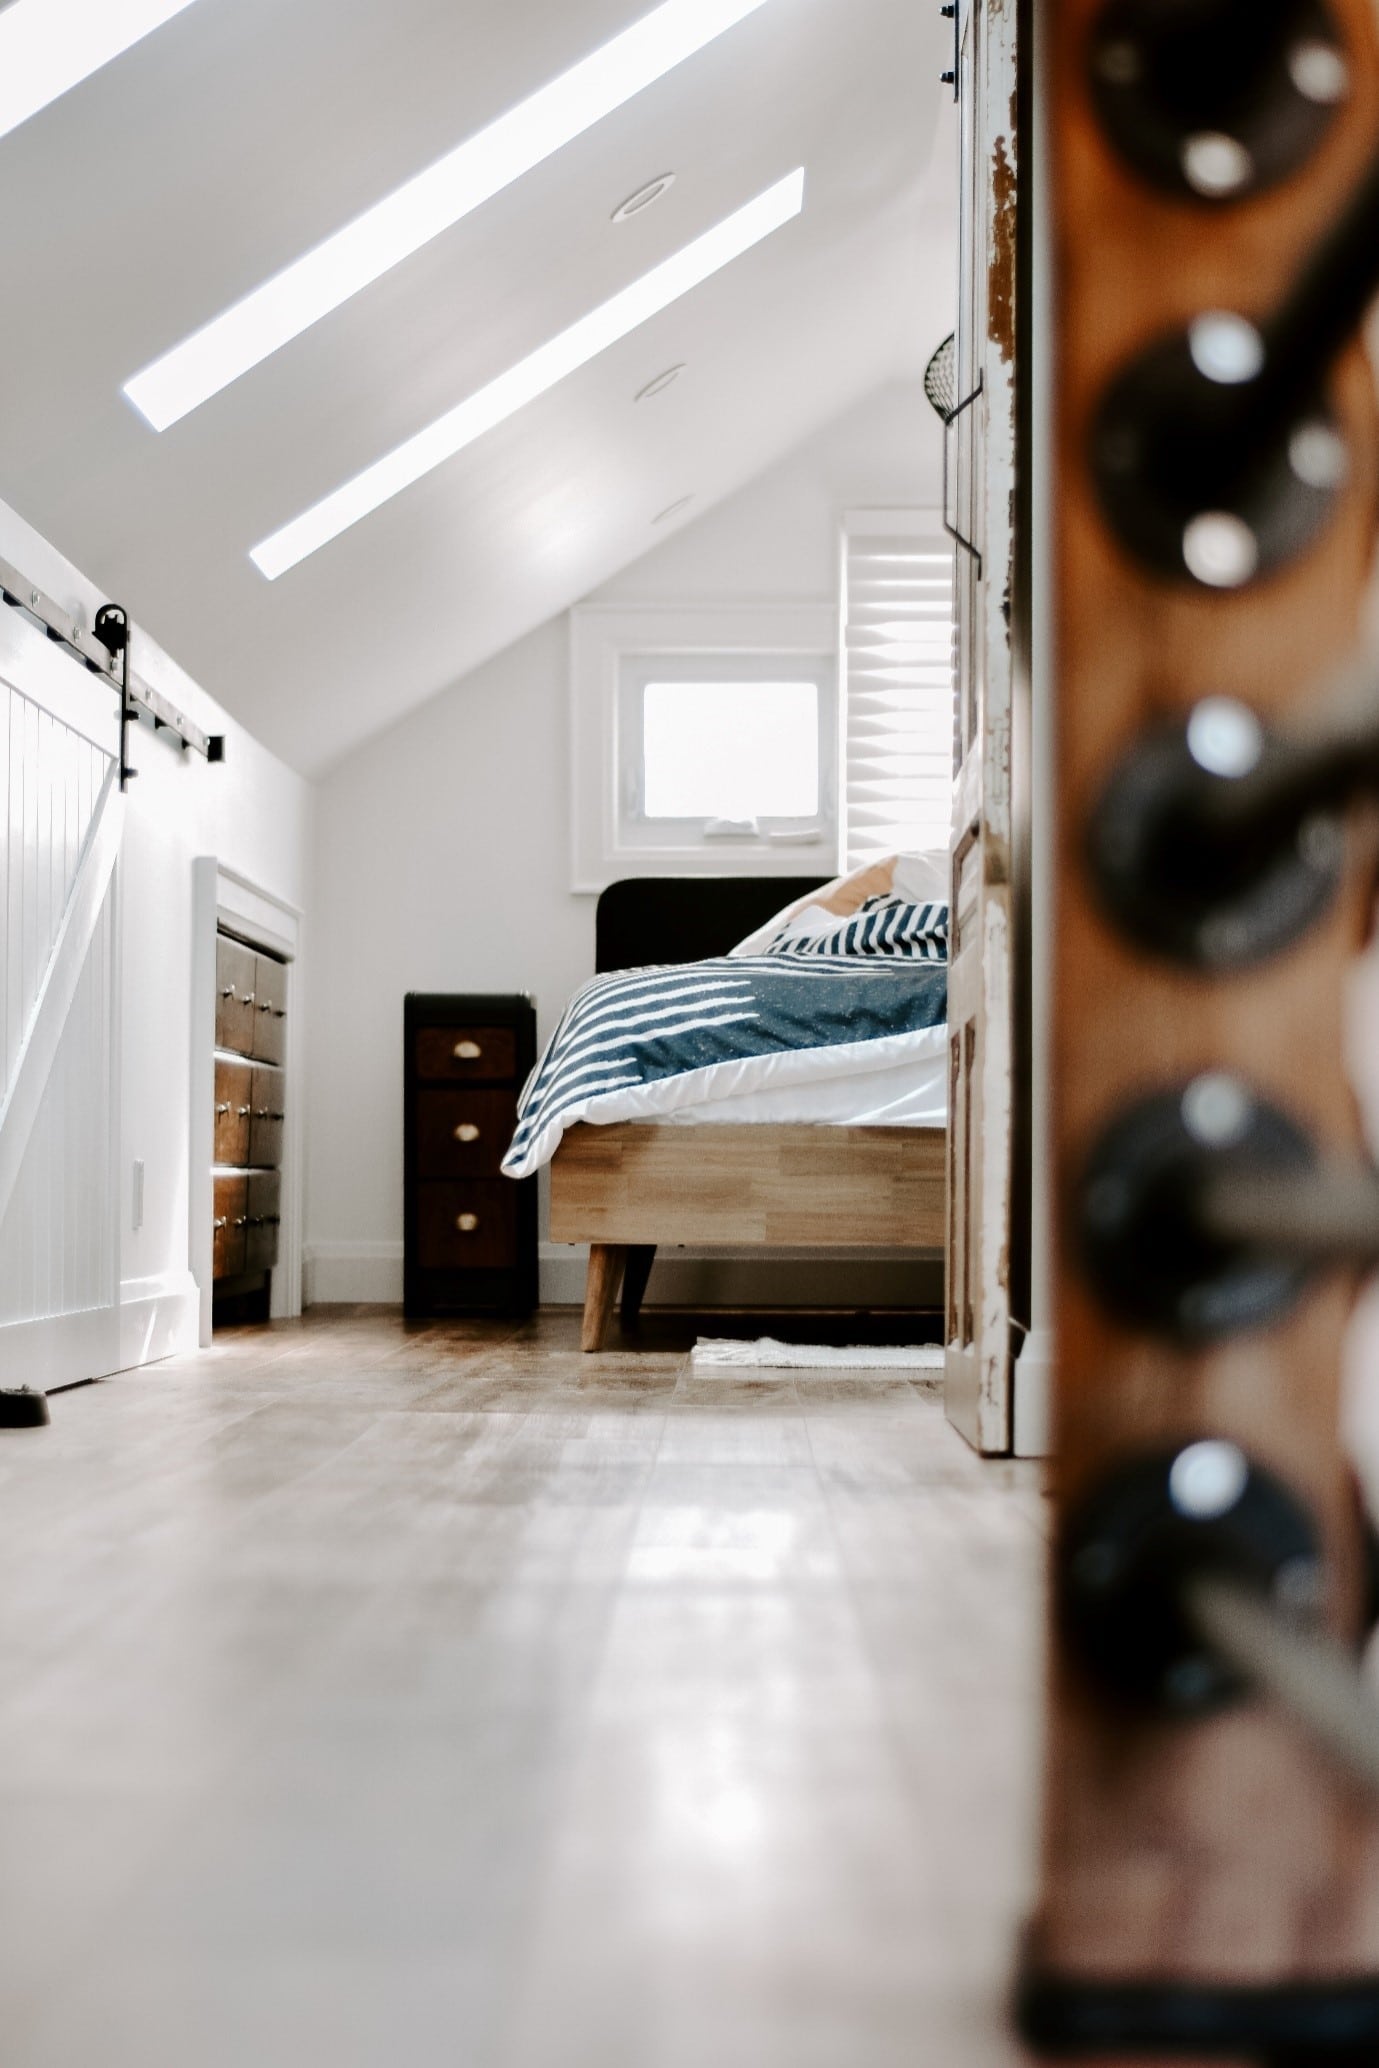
(939,383)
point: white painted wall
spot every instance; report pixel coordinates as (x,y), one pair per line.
(256,815)
(442,856)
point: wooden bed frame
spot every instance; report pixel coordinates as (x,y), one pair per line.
(629,1188)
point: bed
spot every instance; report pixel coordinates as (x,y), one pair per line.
(807,1110)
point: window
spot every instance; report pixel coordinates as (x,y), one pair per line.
(704,740)
(725,747)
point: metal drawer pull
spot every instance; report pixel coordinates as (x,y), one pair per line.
(248,998)
(243,1112)
(466,1132)
(467,1051)
(221,1222)
(467,1223)
(228,992)
(267,1006)
(263,1113)
(241,1222)
(223,1106)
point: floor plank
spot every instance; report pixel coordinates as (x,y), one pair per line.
(380,1695)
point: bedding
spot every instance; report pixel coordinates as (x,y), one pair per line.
(659,1043)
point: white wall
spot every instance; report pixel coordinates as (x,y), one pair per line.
(442,858)
(252,812)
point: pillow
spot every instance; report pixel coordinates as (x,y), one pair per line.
(920,878)
(885,925)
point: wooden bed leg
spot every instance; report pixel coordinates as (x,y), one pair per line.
(640,1258)
(606,1261)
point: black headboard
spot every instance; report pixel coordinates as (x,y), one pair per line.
(686,918)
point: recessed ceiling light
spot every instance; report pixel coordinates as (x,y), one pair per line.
(643,198)
(531,377)
(660,384)
(49,46)
(672,509)
(282,308)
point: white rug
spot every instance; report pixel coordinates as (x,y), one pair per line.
(711,1354)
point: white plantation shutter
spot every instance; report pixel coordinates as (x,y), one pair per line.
(897,684)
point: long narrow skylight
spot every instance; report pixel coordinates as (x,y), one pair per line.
(395,227)
(49,46)
(531,377)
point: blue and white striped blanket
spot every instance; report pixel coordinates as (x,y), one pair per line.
(646,1042)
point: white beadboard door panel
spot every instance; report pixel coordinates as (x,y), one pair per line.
(60,822)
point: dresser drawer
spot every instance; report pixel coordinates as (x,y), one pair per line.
(266,1117)
(463,1134)
(231,1226)
(235,970)
(233,1099)
(467,1226)
(263,1215)
(472,1053)
(270,1010)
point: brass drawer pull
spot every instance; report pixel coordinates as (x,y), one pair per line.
(466,1132)
(467,1223)
(467,1051)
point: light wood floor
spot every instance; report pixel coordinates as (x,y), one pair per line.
(382,1699)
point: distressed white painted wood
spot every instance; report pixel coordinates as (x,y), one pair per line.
(977,1380)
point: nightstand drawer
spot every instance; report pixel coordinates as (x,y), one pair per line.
(473,1053)
(463,1227)
(463,1134)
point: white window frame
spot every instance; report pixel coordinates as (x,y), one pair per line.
(608,645)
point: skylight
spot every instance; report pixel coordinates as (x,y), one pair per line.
(273,314)
(531,377)
(49,46)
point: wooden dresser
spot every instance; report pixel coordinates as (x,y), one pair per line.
(469,1232)
(251,1048)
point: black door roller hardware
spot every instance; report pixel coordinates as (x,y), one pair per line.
(1217,99)
(1216,455)
(1217,843)
(1203,1211)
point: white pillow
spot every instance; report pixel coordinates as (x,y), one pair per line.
(922,877)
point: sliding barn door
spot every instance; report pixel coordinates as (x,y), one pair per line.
(60,817)
(980,479)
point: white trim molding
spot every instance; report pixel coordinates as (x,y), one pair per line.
(601,636)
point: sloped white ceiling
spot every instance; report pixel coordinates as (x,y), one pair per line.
(246,130)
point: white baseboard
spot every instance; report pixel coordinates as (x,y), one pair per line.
(159,1317)
(1032,1435)
(156,1317)
(370,1274)
(345,1274)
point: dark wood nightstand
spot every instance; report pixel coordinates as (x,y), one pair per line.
(469,1232)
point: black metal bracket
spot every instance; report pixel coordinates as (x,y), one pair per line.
(950,14)
(99,650)
(948,423)
(111,627)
